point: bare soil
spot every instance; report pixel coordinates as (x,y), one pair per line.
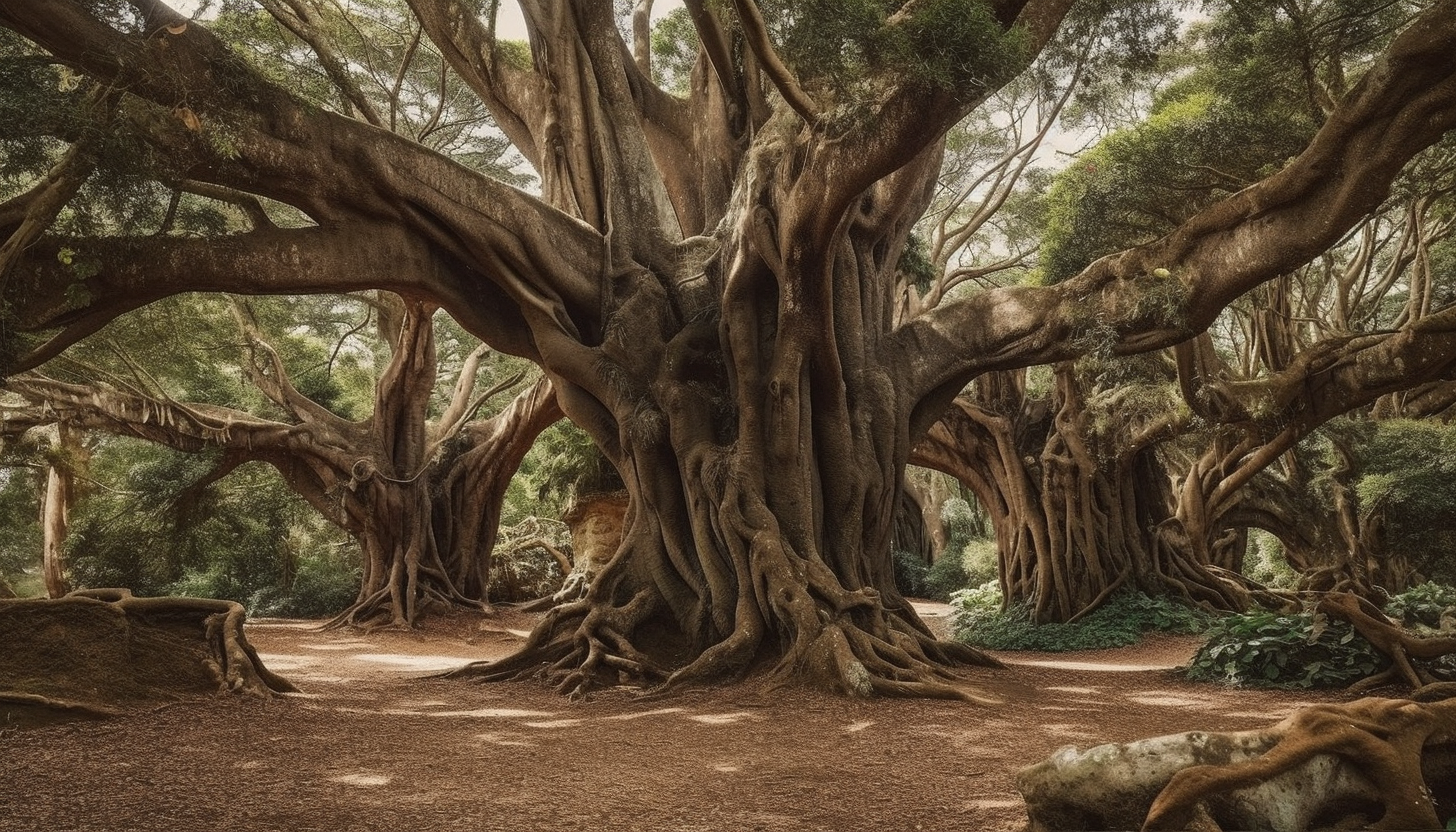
(374,744)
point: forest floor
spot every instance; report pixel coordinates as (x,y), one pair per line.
(373,744)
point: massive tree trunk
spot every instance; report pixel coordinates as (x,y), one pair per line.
(1079,509)
(710,285)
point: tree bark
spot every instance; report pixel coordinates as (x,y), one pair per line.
(60,493)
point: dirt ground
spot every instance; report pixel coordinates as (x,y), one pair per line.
(373,745)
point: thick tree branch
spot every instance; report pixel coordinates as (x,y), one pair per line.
(1405,103)
(288,151)
(514,95)
(132,272)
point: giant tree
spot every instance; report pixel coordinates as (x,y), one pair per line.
(709,281)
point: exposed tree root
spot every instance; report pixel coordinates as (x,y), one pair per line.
(1374,763)
(1400,644)
(96,652)
(580,647)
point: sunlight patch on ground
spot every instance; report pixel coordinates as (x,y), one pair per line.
(362,779)
(720,719)
(658,712)
(1166,699)
(858,726)
(1075,690)
(725,768)
(1099,666)
(496,713)
(496,738)
(993,803)
(248,765)
(418,705)
(555,723)
(1274,714)
(287,661)
(416,663)
(339,645)
(1067,729)
(1063,708)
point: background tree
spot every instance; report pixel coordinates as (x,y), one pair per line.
(417,478)
(709,282)
(1077,470)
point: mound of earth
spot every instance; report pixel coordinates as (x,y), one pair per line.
(103,652)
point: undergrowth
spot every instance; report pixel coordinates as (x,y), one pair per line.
(1311,650)
(1122,620)
(1267,649)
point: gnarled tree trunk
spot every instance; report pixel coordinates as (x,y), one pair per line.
(1077,514)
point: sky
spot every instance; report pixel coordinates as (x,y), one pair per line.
(509,24)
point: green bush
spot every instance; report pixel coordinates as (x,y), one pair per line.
(946,576)
(325,584)
(1127,615)
(1265,649)
(912,576)
(981,560)
(1422,606)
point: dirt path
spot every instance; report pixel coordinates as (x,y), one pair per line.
(372,746)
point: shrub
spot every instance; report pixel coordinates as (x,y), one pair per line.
(946,576)
(1127,615)
(912,576)
(981,560)
(1265,649)
(1422,606)
(325,584)
(524,574)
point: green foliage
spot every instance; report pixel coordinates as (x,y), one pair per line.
(245,538)
(1421,607)
(1264,561)
(981,561)
(1122,620)
(1266,649)
(912,575)
(326,581)
(915,266)
(563,464)
(952,45)
(1139,182)
(947,575)
(1405,477)
(674,50)
(20,533)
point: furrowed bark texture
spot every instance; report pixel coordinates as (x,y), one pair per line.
(709,283)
